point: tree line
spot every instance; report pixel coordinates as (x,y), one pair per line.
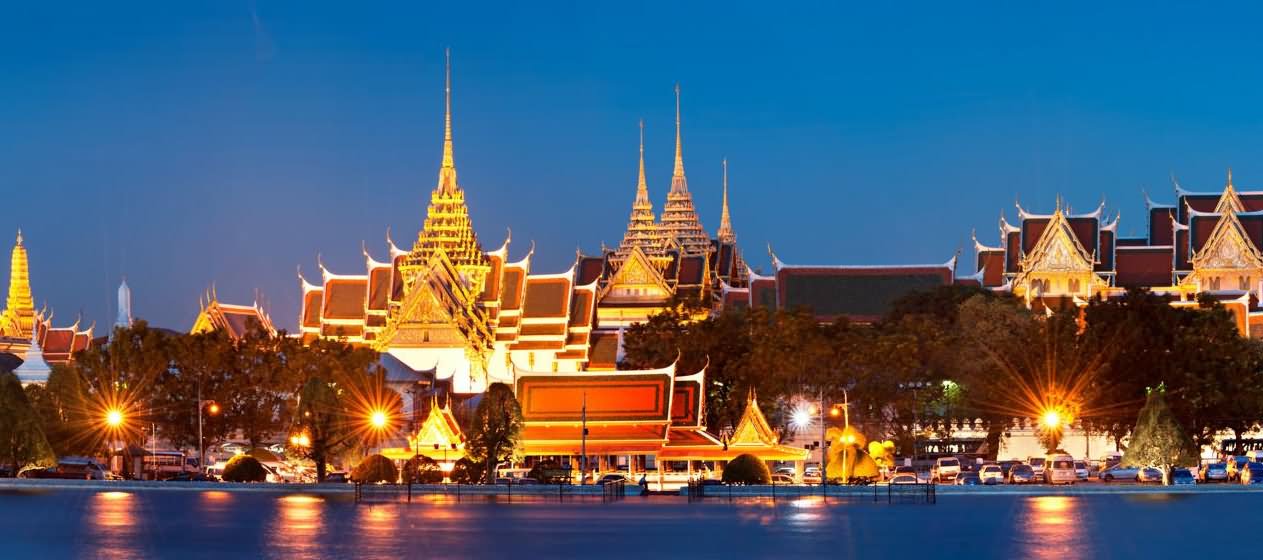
(956,355)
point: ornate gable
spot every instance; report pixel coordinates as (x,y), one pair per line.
(637,278)
(1057,250)
(753,427)
(438,311)
(1228,248)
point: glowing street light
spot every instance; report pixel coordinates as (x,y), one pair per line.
(378,419)
(114,418)
(1051,419)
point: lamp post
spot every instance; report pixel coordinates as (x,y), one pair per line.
(113,423)
(213,408)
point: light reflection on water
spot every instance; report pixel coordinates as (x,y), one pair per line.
(112,518)
(1052,527)
(297,526)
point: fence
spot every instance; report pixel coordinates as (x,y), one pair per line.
(408,492)
(866,493)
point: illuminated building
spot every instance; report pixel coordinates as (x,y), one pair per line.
(21,325)
(236,320)
(1207,243)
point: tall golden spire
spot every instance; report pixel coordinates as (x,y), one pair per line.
(726,234)
(642,187)
(641,227)
(447,226)
(18,318)
(447,173)
(678,182)
(679,224)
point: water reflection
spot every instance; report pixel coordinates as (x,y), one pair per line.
(1052,527)
(297,526)
(112,518)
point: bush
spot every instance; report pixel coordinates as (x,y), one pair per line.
(244,468)
(747,469)
(422,470)
(467,471)
(375,468)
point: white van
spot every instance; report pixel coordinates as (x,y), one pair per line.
(1255,456)
(1059,469)
(945,468)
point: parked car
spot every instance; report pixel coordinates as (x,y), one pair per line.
(1037,465)
(904,478)
(1149,474)
(968,479)
(1021,474)
(781,478)
(336,476)
(1252,473)
(991,474)
(1081,470)
(191,477)
(945,468)
(1059,469)
(72,468)
(1119,472)
(234,448)
(612,477)
(1213,472)
(1182,476)
(1005,466)
(1234,466)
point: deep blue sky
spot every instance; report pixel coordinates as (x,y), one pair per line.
(228,142)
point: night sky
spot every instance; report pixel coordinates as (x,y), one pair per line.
(229,142)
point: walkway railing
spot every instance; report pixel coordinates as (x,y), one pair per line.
(839,493)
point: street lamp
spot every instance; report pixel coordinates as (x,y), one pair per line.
(378,419)
(114,418)
(213,408)
(1051,419)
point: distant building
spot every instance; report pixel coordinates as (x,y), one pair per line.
(21,324)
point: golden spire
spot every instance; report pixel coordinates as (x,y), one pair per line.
(18,319)
(447,173)
(1229,177)
(678,182)
(642,187)
(725,233)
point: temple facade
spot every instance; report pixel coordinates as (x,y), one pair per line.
(1205,243)
(26,330)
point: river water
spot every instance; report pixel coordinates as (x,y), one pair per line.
(62,523)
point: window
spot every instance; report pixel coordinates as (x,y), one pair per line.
(1074,285)
(1214,282)
(1243,283)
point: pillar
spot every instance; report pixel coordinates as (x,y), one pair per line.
(800,467)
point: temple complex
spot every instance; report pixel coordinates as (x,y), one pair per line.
(212,315)
(25,330)
(1206,243)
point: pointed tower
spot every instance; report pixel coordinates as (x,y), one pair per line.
(641,229)
(34,368)
(124,318)
(448,229)
(725,233)
(18,318)
(679,218)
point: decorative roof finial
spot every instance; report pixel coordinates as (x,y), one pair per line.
(642,187)
(726,233)
(447,174)
(1229,177)
(19,236)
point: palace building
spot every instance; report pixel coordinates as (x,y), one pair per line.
(29,333)
(1206,243)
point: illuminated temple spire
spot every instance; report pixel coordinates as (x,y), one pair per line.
(447,173)
(18,318)
(447,226)
(725,233)
(679,218)
(641,228)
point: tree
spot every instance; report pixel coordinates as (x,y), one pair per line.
(22,442)
(1158,439)
(467,471)
(319,417)
(496,429)
(61,405)
(254,396)
(244,468)
(747,469)
(375,468)
(200,365)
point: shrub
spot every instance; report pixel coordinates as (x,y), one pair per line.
(375,468)
(747,469)
(467,471)
(244,468)
(422,470)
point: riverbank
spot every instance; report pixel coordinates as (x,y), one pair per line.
(631,489)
